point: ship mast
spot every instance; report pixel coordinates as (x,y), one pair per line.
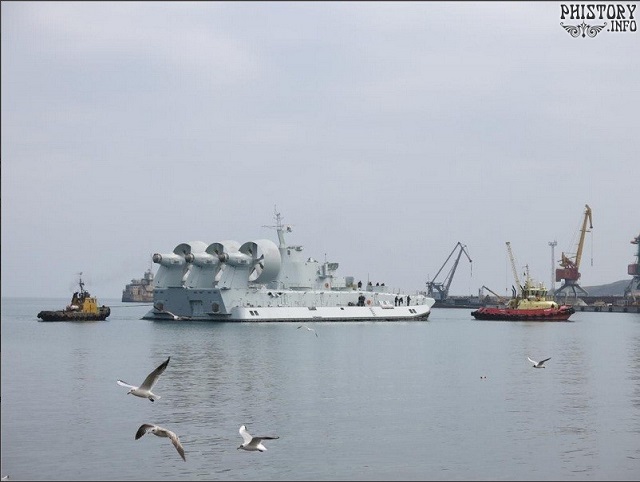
(80,282)
(279,227)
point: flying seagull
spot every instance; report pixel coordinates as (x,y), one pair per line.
(174,316)
(252,443)
(310,329)
(538,364)
(161,432)
(144,390)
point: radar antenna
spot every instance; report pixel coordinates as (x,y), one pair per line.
(81,283)
(279,227)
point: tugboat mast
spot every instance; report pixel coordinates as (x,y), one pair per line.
(80,282)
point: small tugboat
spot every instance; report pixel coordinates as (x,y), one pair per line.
(531,304)
(83,307)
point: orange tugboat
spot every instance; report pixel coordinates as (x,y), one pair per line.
(83,307)
(530,304)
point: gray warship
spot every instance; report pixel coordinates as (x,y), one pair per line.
(262,281)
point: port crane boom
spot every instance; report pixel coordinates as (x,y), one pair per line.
(513,266)
(569,273)
(500,299)
(442,288)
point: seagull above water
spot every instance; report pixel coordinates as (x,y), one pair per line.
(310,329)
(538,364)
(252,443)
(144,390)
(161,432)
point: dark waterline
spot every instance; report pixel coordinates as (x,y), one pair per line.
(365,401)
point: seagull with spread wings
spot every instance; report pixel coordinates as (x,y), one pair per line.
(161,432)
(252,443)
(174,316)
(310,329)
(538,364)
(144,390)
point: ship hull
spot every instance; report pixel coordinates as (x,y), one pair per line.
(261,305)
(504,314)
(292,314)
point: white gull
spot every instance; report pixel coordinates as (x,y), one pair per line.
(252,443)
(174,316)
(161,432)
(144,390)
(538,364)
(310,329)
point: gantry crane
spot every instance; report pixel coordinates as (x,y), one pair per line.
(440,291)
(569,272)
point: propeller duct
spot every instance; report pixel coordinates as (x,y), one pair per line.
(266,260)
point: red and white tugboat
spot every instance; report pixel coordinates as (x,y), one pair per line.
(529,304)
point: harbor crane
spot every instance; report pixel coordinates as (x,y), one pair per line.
(513,267)
(569,273)
(501,299)
(440,290)
(632,292)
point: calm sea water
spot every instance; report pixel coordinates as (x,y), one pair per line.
(365,401)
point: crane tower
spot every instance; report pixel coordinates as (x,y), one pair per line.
(632,292)
(569,273)
(440,290)
(513,268)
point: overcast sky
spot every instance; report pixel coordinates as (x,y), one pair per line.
(385,133)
